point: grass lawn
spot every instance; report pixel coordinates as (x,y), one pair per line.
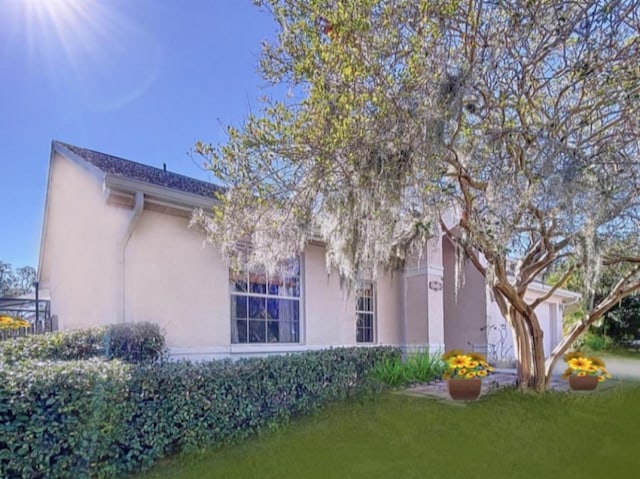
(626,353)
(506,434)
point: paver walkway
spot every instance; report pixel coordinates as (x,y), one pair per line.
(501,379)
(620,368)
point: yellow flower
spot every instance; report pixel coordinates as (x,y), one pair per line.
(575,354)
(460,361)
(580,363)
(451,354)
(7,322)
(477,357)
(463,364)
(21,323)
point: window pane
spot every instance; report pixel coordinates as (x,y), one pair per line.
(273,308)
(257,307)
(238,307)
(239,331)
(292,287)
(258,283)
(289,309)
(367,336)
(365,320)
(257,331)
(275,286)
(289,332)
(273,332)
(364,328)
(284,286)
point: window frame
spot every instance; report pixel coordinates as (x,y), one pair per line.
(266,297)
(372,312)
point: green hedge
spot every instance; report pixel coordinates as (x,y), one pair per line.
(99,419)
(132,342)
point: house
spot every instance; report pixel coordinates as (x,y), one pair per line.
(116,247)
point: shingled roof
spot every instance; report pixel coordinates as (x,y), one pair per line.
(137,171)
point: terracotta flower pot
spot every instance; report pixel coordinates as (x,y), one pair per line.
(464,389)
(583,383)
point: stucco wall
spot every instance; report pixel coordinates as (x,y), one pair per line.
(172,279)
(389,309)
(329,314)
(421,294)
(417,310)
(464,314)
(500,337)
(81,240)
(175,280)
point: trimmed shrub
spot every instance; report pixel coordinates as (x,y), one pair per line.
(102,419)
(133,342)
(60,419)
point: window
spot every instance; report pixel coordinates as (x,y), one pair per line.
(365,312)
(265,308)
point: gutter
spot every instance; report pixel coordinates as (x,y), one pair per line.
(156,193)
(132,221)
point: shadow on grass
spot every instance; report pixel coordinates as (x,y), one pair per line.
(503,434)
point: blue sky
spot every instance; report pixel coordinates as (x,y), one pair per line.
(140,79)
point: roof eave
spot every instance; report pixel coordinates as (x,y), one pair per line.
(45,215)
(181,199)
(562,293)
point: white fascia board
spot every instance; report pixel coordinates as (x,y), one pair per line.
(157,194)
(563,293)
(45,216)
(78,160)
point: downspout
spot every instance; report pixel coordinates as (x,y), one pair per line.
(132,221)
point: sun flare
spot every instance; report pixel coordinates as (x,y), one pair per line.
(49,25)
(80,45)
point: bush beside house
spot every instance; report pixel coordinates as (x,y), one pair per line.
(96,418)
(131,342)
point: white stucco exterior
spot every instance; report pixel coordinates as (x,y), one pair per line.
(499,335)
(79,252)
(118,249)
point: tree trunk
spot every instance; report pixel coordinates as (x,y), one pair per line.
(539,382)
(529,351)
(522,349)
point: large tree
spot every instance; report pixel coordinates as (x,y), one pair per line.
(510,127)
(14,283)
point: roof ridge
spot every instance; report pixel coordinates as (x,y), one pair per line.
(115,165)
(71,147)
